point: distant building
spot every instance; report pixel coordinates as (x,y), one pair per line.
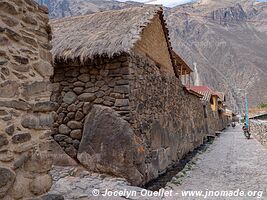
(214,105)
(182,70)
(208,95)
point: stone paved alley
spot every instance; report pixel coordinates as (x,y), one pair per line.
(232,162)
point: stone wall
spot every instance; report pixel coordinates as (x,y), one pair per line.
(259,130)
(215,121)
(223,121)
(212,120)
(168,119)
(78,88)
(123,117)
(25,110)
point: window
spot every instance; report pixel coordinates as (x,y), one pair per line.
(211,101)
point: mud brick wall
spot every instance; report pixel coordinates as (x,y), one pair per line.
(259,130)
(25,110)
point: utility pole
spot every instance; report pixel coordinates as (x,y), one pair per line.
(246,99)
(246,106)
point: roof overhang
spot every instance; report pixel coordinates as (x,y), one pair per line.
(193,92)
(182,66)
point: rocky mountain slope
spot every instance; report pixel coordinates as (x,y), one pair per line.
(64,8)
(226,40)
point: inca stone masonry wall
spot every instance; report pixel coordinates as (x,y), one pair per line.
(123,117)
(212,121)
(215,120)
(168,119)
(25,110)
(78,88)
(223,121)
(259,130)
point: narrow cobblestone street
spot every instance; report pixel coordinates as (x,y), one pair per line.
(232,162)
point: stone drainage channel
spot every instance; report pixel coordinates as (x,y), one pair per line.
(162,180)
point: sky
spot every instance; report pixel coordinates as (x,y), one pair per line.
(169,3)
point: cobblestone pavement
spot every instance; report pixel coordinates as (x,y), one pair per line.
(75,184)
(232,162)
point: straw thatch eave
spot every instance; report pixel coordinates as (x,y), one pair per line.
(106,34)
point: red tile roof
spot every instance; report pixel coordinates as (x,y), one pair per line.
(204,90)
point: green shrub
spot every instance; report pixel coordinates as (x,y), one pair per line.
(262,105)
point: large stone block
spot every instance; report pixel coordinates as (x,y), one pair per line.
(74,125)
(7,177)
(41,184)
(38,121)
(31,41)
(21,60)
(84,78)
(122,102)
(4,41)
(63,129)
(8,8)
(36,88)
(54,154)
(122,89)
(109,145)
(9,89)
(52,197)
(69,97)
(44,68)
(29,20)
(21,138)
(21,68)
(76,134)
(3,140)
(44,106)
(87,97)
(16,104)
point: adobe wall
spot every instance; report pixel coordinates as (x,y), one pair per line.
(25,110)
(153,45)
(259,130)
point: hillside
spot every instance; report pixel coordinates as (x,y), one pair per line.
(227,40)
(228,43)
(64,8)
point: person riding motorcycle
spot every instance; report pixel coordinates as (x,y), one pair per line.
(246,131)
(233,124)
(244,127)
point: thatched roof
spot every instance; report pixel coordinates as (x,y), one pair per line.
(101,34)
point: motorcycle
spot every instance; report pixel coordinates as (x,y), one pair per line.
(233,125)
(246,132)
